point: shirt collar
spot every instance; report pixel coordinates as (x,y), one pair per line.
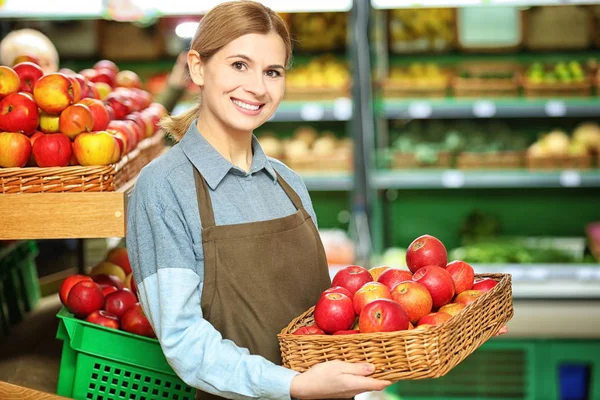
(212,165)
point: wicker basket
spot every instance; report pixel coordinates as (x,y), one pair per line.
(78,178)
(410,354)
(497,160)
(559,162)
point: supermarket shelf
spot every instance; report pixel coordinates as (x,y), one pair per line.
(328,182)
(549,281)
(388,4)
(76,9)
(294,111)
(489,108)
(64,215)
(448,179)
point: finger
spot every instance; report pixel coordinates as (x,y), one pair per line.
(366,384)
(362,369)
(502,331)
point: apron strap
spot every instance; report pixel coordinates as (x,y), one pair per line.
(207,217)
(291,193)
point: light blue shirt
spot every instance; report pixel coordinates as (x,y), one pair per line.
(164,243)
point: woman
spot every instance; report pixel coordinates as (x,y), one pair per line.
(222,239)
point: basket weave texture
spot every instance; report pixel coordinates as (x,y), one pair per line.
(78,178)
(410,354)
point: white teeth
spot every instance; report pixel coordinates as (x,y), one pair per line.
(246,106)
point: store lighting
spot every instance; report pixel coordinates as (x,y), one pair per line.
(186,30)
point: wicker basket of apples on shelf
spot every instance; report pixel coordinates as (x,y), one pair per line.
(90,131)
(413,324)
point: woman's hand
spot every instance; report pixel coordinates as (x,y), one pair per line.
(502,331)
(336,380)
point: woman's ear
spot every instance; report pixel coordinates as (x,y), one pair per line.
(196,67)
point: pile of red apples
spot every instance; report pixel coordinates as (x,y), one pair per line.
(107,295)
(94,117)
(385,299)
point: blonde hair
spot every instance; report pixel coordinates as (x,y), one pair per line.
(221,25)
(24,42)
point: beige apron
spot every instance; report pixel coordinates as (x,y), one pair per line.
(258,276)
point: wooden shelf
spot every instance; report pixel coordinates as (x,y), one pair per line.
(64,215)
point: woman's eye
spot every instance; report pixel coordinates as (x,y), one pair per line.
(272,73)
(240,66)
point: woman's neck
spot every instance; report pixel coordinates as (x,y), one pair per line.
(236,147)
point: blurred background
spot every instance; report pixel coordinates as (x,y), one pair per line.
(473,121)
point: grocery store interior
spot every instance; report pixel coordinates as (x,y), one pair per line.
(476,122)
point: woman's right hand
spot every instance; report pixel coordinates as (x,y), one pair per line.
(336,380)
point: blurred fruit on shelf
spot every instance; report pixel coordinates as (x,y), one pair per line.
(562,72)
(339,248)
(128,79)
(419,30)
(320,72)
(419,75)
(320,31)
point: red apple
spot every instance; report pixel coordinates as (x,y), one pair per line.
(102,89)
(52,150)
(369,292)
(452,308)
(137,118)
(462,275)
(334,312)
(467,297)
(128,79)
(127,129)
(436,318)
(352,277)
(68,283)
(484,285)
(383,315)
(93,91)
(15,149)
(108,290)
(54,92)
(108,65)
(9,81)
(337,289)
(76,119)
(414,298)
(120,104)
(104,75)
(104,280)
(19,113)
(393,276)
(29,73)
(426,250)
(134,321)
(439,283)
(99,113)
(83,85)
(309,330)
(95,148)
(84,298)
(119,302)
(67,71)
(347,332)
(103,318)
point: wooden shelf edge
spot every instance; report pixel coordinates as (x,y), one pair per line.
(65,215)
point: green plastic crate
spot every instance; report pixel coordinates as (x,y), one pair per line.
(104,364)
(19,284)
(505,369)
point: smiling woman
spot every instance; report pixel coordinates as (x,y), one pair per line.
(222,239)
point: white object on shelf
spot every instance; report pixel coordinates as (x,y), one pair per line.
(49,9)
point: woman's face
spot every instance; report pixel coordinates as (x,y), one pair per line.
(243,83)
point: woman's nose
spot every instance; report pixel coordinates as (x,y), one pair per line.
(255,85)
